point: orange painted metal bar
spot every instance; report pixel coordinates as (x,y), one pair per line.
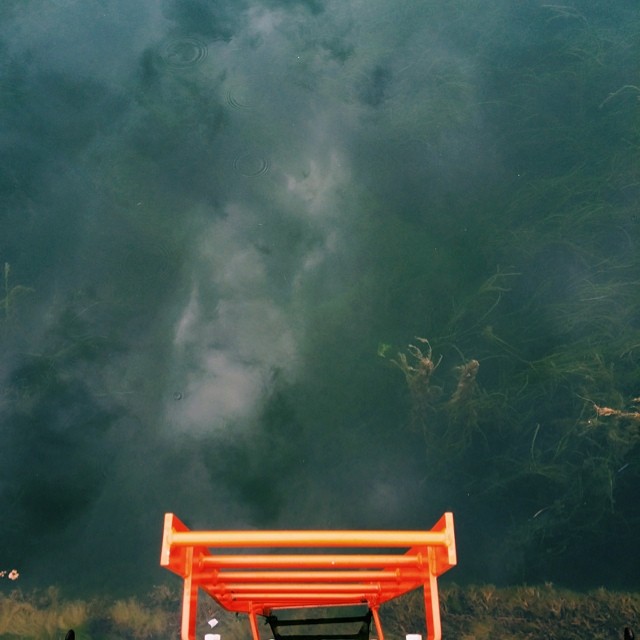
(432,608)
(321,597)
(257,584)
(254,625)
(315,560)
(305,587)
(189,604)
(394,575)
(238,604)
(376,621)
(309,538)
(294,587)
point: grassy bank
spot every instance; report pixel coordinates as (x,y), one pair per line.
(468,613)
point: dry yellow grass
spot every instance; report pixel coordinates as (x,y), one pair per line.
(142,622)
(22,618)
(471,613)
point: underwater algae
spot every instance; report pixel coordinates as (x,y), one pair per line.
(549,440)
(539,440)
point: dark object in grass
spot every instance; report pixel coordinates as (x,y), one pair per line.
(71,635)
(628,634)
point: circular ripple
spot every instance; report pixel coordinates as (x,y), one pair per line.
(251,165)
(181,53)
(239,104)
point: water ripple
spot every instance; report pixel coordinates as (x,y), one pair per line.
(251,164)
(183,52)
(240,104)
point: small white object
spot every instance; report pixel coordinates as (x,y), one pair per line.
(413,636)
(213,622)
(211,636)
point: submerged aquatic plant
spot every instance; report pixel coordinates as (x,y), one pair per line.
(466,383)
(418,368)
(447,423)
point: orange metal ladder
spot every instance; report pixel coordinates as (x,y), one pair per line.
(260,583)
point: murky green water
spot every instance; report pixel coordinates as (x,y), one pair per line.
(225,223)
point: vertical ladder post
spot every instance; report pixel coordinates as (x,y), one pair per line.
(432,601)
(376,620)
(189,600)
(253,621)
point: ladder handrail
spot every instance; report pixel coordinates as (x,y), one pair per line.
(259,583)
